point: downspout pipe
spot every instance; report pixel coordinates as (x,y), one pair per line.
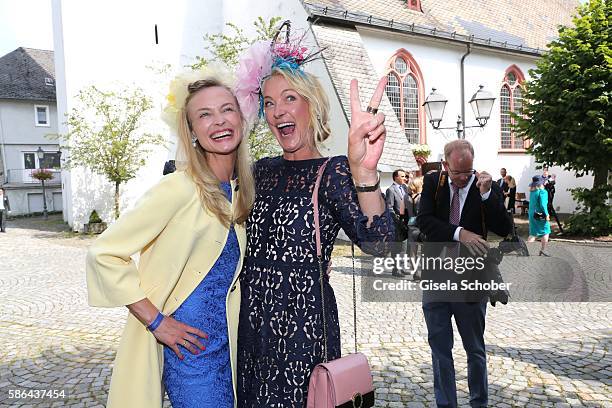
(462,73)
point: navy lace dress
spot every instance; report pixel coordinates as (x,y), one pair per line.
(280,334)
(205,380)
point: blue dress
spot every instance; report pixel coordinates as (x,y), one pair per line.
(205,380)
(538,201)
(280,333)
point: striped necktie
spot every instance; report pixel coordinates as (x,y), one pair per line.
(455,213)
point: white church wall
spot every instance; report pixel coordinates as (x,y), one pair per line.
(113,51)
(440,65)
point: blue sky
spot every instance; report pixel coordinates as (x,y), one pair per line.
(25,23)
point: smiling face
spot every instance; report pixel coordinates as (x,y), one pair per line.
(288,116)
(215,120)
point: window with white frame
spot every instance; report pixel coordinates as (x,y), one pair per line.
(511,101)
(41,115)
(405,92)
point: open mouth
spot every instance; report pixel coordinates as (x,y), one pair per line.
(286,128)
(221,134)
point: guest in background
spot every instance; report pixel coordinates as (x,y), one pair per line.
(411,202)
(511,193)
(539,225)
(549,180)
(458,205)
(394,197)
(409,176)
(4,208)
(501,182)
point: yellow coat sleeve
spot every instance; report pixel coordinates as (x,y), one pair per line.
(112,276)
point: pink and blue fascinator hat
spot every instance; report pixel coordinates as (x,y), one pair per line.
(257,62)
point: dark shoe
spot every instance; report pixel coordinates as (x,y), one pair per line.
(397,274)
(542,253)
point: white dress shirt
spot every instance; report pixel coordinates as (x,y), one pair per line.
(463,192)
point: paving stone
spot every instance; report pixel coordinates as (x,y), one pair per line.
(539,354)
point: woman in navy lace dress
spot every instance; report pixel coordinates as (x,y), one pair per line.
(280,334)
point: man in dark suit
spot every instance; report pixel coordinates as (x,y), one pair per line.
(394,197)
(457,208)
(501,182)
(550,180)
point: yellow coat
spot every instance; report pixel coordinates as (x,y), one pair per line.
(179,242)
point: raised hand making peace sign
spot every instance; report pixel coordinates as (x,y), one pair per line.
(367,133)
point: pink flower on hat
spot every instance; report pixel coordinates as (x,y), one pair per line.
(254,65)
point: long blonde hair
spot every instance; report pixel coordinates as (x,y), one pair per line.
(193,161)
(416,185)
(309,87)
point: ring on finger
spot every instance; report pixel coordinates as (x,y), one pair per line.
(371,110)
(185,343)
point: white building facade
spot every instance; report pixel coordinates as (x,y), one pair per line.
(363,37)
(28,117)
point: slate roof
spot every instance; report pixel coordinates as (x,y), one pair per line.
(515,23)
(521,26)
(23,73)
(346,58)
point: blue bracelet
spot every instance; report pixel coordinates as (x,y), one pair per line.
(155,323)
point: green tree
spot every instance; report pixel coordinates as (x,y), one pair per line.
(567,112)
(227,48)
(105,134)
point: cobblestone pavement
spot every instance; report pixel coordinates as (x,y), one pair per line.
(539,354)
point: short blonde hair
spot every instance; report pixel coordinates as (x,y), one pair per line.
(310,88)
(457,145)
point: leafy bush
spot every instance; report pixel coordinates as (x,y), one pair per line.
(594,217)
(94,218)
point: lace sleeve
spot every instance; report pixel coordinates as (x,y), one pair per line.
(341,197)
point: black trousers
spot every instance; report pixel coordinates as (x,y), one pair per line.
(3,220)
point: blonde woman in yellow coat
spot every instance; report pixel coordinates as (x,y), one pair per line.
(183,295)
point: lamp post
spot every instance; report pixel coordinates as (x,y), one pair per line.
(41,155)
(481,102)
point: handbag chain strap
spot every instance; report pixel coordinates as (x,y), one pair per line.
(315,204)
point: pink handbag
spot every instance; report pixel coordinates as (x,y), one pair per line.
(345,382)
